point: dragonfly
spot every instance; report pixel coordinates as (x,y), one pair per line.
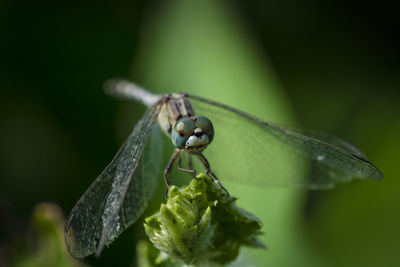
(242,147)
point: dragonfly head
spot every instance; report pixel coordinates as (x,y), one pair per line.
(193,134)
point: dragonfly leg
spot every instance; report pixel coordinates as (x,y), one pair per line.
(206,165)
(192,171)
(167,170)
(189,161)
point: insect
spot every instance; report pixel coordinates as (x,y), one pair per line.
(246,149)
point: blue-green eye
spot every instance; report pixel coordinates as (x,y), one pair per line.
(192,134)
(184,126)
(182,130)
(206,126)
(178,141)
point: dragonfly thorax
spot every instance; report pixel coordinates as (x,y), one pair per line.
(193,134)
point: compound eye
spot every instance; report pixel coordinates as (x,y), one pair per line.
(204,124)
(184,126)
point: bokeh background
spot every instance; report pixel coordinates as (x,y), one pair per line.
(329,65)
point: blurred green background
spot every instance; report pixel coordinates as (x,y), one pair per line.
(332,66)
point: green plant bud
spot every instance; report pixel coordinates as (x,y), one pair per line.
(201,224)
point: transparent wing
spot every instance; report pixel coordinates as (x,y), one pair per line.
(327,138)
(250,150)
(119,196)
